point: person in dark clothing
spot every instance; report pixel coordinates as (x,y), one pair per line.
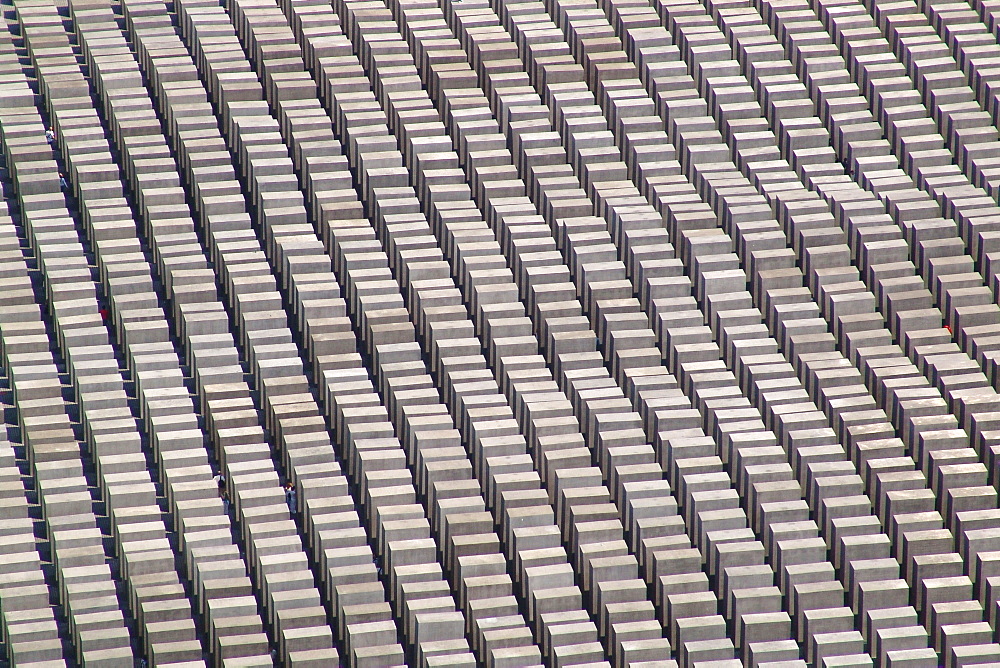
(291,498)
(220,481)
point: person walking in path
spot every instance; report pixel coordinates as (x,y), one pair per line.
(290,498)
(220,481)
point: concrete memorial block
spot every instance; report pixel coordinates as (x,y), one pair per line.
(488,465)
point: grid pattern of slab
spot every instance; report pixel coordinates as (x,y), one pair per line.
(500,333)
